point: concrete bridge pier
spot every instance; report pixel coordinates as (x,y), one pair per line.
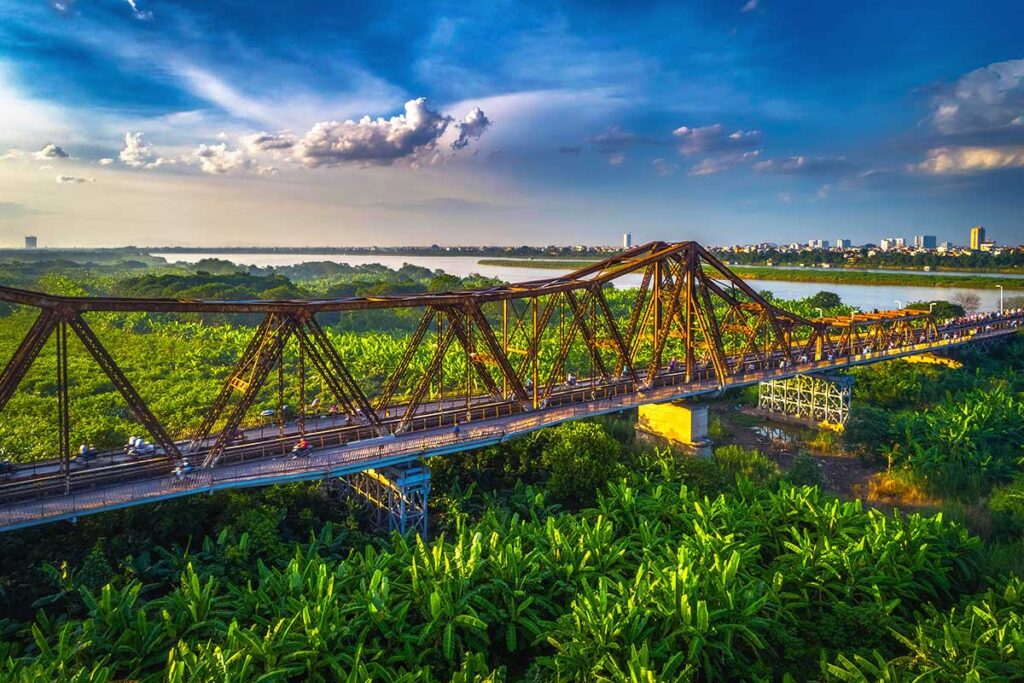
(680,423)
(396,497)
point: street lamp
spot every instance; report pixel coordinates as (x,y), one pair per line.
(899,304)
(1000,299)
(821,311)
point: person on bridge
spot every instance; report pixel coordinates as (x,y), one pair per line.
(672,365)
(455,430)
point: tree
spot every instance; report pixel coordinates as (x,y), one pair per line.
(582,458)
(940,309)
(825,300)
(969,301)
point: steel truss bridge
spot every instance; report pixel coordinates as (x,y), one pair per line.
(498,362)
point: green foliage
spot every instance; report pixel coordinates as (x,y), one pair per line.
(982,640)
(654,582)
(581,457)
(942,310)
(747,463)
(825,300)
(963,445)
(1006,504)
(804,471)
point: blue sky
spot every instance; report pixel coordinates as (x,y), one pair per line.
(215,123)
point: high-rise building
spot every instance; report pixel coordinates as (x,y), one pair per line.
(925,241)
(843,243)
(30,241)
(818,244)
(888,243)
(627,240)
(977,237)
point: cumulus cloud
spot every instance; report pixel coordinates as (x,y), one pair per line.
(65,179)
(799,165)
(963,160)
(218,159)
(373,141)
(471,127)
(711,139)
(105,162)
(138,153)
(723,162)
(51,151)
(987,99)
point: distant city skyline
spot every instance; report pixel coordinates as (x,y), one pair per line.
(192,123)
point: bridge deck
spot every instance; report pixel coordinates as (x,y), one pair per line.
(335,458)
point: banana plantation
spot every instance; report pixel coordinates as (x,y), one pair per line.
(571,554)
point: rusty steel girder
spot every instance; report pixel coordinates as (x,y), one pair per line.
(687,305)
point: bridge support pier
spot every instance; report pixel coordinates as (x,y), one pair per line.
(681,423)
(808,397)
(395,496)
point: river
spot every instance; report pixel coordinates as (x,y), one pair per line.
(865,297)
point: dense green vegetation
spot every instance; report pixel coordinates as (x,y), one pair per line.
(571,554)
(674,573)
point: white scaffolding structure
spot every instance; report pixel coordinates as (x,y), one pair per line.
(395,496)
(823,399)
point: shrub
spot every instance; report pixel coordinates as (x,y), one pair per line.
(747,463)
(805,471)
(582,458)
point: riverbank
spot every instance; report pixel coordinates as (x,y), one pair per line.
(845,276)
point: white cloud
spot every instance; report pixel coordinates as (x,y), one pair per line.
(105,162)
(138,153)
(616,159)
(824,191)
(219,159)
(373,141)
(987,99)
(471,127)
(963,160)
(214,89)
(710,139)
(801,165)
(749,6)
(723,150)
(139,14)
(65,179)
(723,162)
(663,167)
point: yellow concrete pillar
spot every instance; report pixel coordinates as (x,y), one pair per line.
(685,423)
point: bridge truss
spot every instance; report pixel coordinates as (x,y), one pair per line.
(487,354)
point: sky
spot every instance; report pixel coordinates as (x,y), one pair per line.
(231,123)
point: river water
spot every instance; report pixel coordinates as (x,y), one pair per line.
(865,297)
